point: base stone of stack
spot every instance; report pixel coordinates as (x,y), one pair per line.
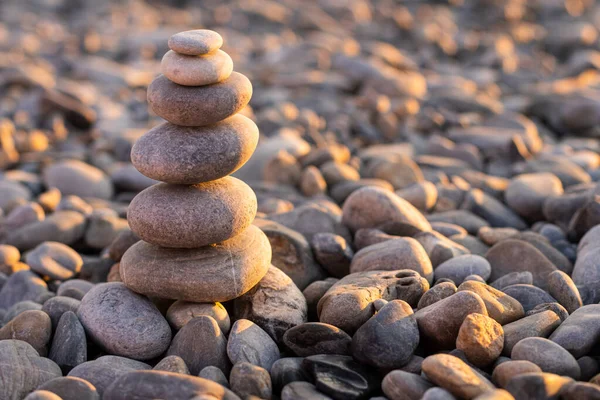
(199,105)
(193,216)
(189,155)
(219,272)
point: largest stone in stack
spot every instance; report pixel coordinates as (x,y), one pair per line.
(198,243)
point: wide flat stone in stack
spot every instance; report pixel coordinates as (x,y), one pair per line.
(198,243)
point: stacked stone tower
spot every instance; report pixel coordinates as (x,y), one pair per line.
(198,243)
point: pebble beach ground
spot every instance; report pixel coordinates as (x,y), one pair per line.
(324,199)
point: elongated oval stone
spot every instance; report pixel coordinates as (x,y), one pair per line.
(195,42)
(220,272)
(190,155)
(192,216)
(199,106)
(196,70)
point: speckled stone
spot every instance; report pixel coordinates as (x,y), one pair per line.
(196,70)
(199,106)
(192,216)
(195,42)
(190,155)
(213,273)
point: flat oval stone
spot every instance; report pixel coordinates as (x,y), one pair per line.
(165,385)
(454,375)
(370,207)
(196,70)
(124,323)
(21,286)
(580,332)
(512,255)
(74,177)
(459,267)
(391,255)
(192,216)
(504,372)
(199,106)
(195,42)
(190,155)
(528,295)
(536,325)
(547,355)
(103,371)
(208,274)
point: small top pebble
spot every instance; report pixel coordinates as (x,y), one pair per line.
(195,42)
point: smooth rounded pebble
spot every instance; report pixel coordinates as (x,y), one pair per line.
(454,375)
(165,385)
(201,70)
(33,327)
(547,355)
(74,177)
(195,42)
(199,106)
(249,343)
(22,369)
(189,155)
(439,323)
(179,216)
(172,364)
(103,371)
(201,343)
(504,372)
(537,385)
(221,272)
(42,395)
(400,385)
(250,381)
(389,338)
(71,388)
(54,260)
(458,268)
(62,226)
(124,323)
(181,312)
(580,332)
(541,324)
(370,207)
(395,254)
